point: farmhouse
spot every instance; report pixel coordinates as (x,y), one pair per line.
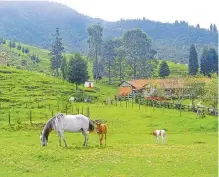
(89,84)
(148,86)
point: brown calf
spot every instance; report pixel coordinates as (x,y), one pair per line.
(101,131)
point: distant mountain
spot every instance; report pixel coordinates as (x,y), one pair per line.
(35,22)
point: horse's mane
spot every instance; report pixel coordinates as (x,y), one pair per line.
(50,125)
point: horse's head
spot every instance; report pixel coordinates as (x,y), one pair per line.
(43,139)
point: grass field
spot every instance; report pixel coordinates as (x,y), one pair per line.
(191,148)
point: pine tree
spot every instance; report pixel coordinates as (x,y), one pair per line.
(56,53)
(214,29)
(205,66)
(193,60)
(213,59)
(19,46)
(95,33)
(211,27)
(164,69)
(209,61)
(77,72)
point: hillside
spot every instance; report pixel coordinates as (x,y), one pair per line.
(22,87)
(16,58)
(34,22)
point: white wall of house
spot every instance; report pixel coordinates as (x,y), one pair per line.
(89,84)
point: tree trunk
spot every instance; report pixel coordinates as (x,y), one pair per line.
(57,71)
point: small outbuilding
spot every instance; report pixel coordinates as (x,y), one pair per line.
(89,84)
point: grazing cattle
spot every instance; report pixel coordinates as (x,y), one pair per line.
(101,131)
(159,133)
(70,123)
(200,113)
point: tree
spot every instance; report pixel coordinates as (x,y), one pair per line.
(77,72)
(198,26)
(214,29)
(56,53)
(195,88)
(164,69)
(211,28)
(193,60)
(211,95)
(108,55)
(213,59)
(120,62)
(209,61)
(64,68)
(95,42)
(137,46)
(205,66)
(19,46)
(35,58)
(26,50)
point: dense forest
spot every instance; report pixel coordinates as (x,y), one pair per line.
(34,22)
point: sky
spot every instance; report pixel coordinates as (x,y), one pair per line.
(193,11)
(202,12)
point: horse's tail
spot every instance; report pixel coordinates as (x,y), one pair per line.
(91,126)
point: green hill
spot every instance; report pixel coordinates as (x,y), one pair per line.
(34,22)
(20,87)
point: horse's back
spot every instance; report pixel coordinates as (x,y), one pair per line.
(75,122)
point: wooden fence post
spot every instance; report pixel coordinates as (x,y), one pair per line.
(153,105)
(30,117)
(88,112)
(9,118)
(82,110)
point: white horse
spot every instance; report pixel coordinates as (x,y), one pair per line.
(159,133)
(70,123)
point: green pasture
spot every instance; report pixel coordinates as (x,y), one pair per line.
(190,150)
